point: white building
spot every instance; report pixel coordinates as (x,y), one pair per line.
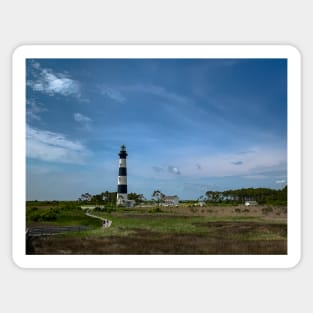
(251,202)
(170,200)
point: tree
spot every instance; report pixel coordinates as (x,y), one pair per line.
(109,198)
(157,196)
(214,196)
(138,198)
(85,197)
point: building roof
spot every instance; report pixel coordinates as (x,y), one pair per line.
(170,197)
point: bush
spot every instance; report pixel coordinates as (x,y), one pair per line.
(46,216)
(106,209)
(267,210)
(71,206)
(155,210)
(49,216)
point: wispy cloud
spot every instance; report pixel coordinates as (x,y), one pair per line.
(264,160)
(157,169)
(49,82)
(112,93)
(237,163)
(173,170)
(156,90)
(53,147)
(246,152)
(33,110)
(256,176)
(170,169)
(78,117)
(83,120)
(280,181)
(198,188)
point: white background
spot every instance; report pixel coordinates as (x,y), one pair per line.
(187,22)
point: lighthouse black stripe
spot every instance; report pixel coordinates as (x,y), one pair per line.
(123,155)
(121,188)
(122,171)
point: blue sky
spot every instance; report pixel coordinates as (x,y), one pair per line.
(189,125)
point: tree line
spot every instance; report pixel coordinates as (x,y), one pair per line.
(237,196)
(231,196)
(108,198)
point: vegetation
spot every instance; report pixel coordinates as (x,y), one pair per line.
(238,196)
(104,198)
(138,198)
(61,214)
(157,196)
(216,223)
(149,233)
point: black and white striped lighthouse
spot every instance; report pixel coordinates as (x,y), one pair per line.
(122,178)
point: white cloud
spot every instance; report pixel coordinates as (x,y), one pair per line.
(264,160)
(85,121)
(173,170)
(281,181)
(78,117)
(33,109)
(112,93)
(53,147)
(51,83)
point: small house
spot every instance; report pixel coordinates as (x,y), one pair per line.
(170,200)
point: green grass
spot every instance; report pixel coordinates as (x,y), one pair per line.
(127,222)
(60,217)
(123,226)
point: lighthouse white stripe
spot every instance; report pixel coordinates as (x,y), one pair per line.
(122,163)
(122,180)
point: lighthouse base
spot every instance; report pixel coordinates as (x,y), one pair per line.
(123,201)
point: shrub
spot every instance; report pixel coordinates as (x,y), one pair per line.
(155,210)
(106,209)
(71,206)
(35,217)
(267,210)
(49,216)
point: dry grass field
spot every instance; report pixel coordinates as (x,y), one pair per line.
(175,230)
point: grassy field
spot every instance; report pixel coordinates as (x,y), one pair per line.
(168,230)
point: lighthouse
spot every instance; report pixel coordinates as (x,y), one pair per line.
(122,179)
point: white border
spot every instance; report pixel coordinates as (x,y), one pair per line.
(156,51)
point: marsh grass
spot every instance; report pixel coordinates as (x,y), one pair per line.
(171,230)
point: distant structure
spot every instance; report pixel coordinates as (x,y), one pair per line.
(122,178)
(170,200)
(251,202)
(122,199)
